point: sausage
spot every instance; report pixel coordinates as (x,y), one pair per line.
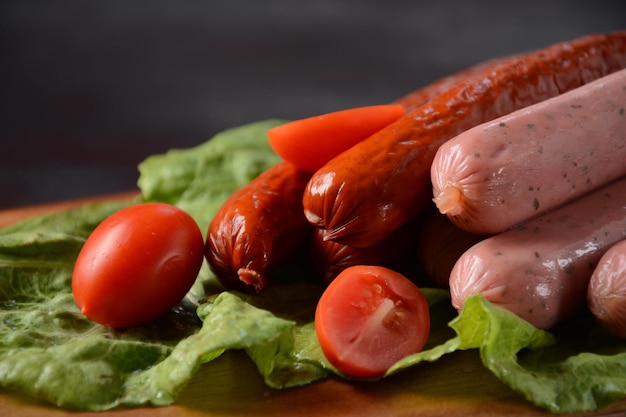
(540,270)
(259,227)
(501,173)
(606,295)
(330,258)
(418,97)
(440,243)
(368,191)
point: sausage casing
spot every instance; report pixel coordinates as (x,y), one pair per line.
(440,243)
(501,173)
(329,258)
(541,270)
(259,227)
(606,295)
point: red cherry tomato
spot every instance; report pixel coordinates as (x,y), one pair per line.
(310,143)
(137,264)
(370,317)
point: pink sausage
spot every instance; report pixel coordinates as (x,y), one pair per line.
(506,171)
(606,295)
(541,271)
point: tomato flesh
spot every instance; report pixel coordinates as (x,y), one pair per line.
(137,264)
(369,318)
(312,142)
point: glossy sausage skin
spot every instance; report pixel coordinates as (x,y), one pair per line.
(418,97)
(541,270)
(259,227)
(606,295)
(501,173)
(368,191)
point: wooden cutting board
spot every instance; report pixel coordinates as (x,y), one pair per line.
(456,385)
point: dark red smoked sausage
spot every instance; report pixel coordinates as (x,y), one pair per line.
(330,258)
(440,243)
(259,227)
(368,191)
(418,97)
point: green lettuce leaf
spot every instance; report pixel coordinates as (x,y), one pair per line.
(562,371)
(228,323)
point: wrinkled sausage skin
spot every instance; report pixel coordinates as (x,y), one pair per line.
(259,227)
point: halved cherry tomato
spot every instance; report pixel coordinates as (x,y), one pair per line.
(137,264)
(369,318)
(310,143)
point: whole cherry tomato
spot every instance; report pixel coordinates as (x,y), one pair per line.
(137,264)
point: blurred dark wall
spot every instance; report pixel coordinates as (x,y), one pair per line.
(88,89)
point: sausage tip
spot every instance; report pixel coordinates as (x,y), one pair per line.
(448,200)
(252,278)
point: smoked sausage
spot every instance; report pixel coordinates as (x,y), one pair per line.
(259,227)
(440,243)
(541,270)
(329,258)
(366,192)
(501,173)
(418,97)
(606,295)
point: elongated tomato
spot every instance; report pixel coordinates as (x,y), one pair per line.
(258,227)
(606,295)
(368,191)
(137,264)
(501,173)
(541,270)
(369,318)
(310,143)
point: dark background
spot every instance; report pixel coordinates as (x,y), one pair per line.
(88,89)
